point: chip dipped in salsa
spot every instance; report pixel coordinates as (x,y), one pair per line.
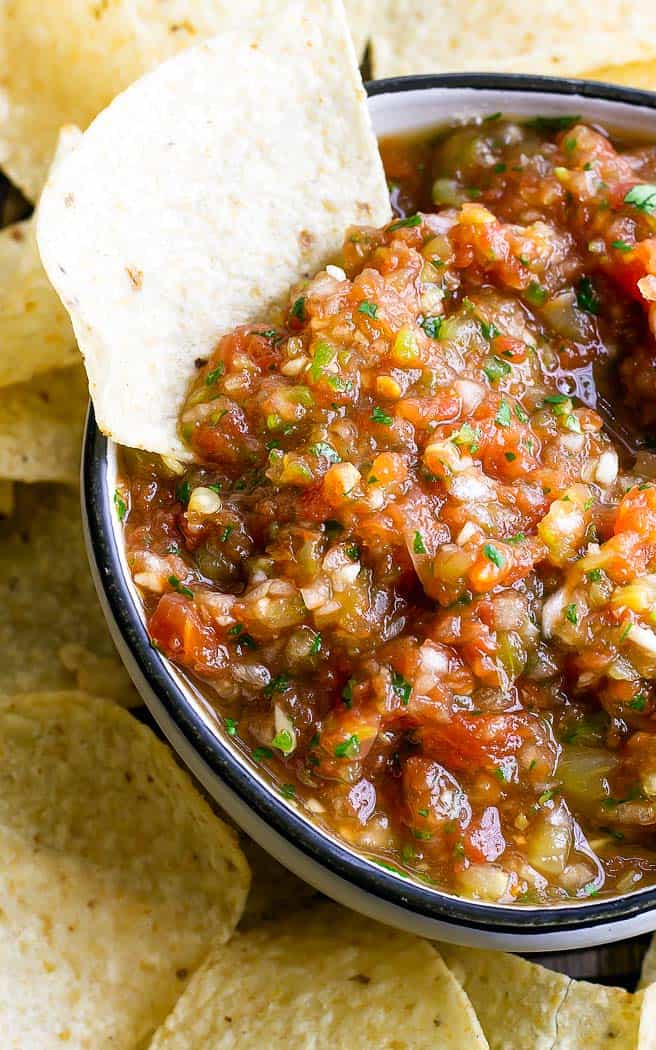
(413,564)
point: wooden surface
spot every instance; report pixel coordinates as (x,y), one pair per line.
(617,964)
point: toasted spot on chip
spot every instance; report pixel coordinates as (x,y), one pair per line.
(115,876)
(290,984)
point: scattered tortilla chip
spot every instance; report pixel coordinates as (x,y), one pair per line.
(48,601)
(35,331)
(41,425)
(6,498)
(412,36)
(323,979)
(116,877)
(174,146)
(275,893)
(65,60)
(635,74)
(647,1032)
(648,972)
(520,1004)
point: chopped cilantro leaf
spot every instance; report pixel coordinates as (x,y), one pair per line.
(349,748)
(490,331)
(284,741)
(380,416)
(638,702)
(176,585)
(519,537)
(563,123)
(231,726)
(643,197)
(546,796)
(280,684)
(347,693)
(494,555)
(495,368)
(410,220)
(121,505)
(502,418)
(418,544)
(225,535)
(298,309)
(262,752)
(571,613)
(520,413)
(510,456)
(322,448)
(536,294)
(432,326)
(401,687)
(316,644)
(288,791)
(622,246)
(594,576)
(353,552)
(216,373)
(183,491)
(367,308)
(586,296)
(322,356)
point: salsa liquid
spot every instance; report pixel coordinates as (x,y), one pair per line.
(411,568)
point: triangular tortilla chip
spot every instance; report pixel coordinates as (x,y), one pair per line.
(64,60)
(169,224)
(326,979)
(115,876)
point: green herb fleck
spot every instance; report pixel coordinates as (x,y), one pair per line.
(322,448)
(260,753)
(638,702)
(298,309)
(536,294)
(225,535)
(495,368)
(571,614)
(432,326)
(212,377)
(410,220)
(586,296)
(546,796)
(288,791)
(622,246)
(176,585)
(231,726)
(183,491)
(367,308)
(380,416)
(494,555)
(349,748)
(280,684)
(322,356)
(347,693)
(402,687)
(121,505)
(284,741)
(418,544)
(643,197)
(502,418)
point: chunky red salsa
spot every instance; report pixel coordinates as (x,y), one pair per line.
(414,563)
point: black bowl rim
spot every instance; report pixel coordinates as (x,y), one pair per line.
(428,904)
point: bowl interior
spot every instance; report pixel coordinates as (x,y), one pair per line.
(405,104)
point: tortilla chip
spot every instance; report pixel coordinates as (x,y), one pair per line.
(325,979)
(635,74)
(48,601)
(412,36)
(6,498)
(245,215)
(520,1004)
(35,331)
(647,1032)
(360,15)
(275,892)
(116,877)
(648,972)
(41,425)
(65,60)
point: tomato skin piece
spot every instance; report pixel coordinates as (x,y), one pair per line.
(637,513)
(177,629)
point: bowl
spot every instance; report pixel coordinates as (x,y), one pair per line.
(229,776)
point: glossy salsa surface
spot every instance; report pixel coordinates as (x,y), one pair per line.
(412,568)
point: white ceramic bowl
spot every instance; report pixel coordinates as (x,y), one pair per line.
(237,784)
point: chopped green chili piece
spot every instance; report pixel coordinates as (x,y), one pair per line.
(410,220)
(418,545)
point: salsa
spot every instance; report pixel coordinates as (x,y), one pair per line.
(413,566)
